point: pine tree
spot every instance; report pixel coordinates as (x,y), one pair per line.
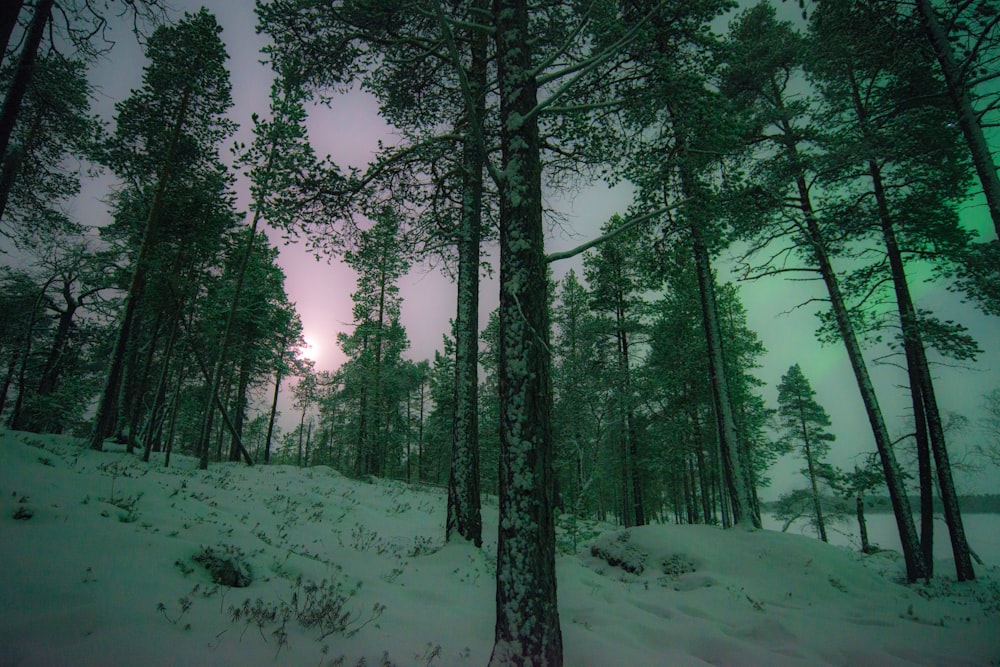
(618,277)
(804,422)
(780,203)
(170,126)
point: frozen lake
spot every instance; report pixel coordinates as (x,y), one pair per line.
(982,531)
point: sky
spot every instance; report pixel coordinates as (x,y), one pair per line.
(102,558)
(349,131)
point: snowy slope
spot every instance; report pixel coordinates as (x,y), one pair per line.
(99,569)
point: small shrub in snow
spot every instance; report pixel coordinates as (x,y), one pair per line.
(185,605)
(676,565)
(572,532)
(226,564)
(618,551)
(321,606)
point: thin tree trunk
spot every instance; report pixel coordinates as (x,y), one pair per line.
(274,407)
(740,499)
(866,546)
(16,418)
(464,513)
(107,411)
(915,351)
(813,238)
(915,566)
(925,474)
(917,366)
(241,405)
(156,414)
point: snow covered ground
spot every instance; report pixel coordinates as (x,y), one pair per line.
(103,562)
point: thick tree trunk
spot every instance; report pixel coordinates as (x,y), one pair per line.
(527,615)
(23,73)
(8,20)
(8,378)
(968,119)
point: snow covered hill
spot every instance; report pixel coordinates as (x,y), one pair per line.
(106,560)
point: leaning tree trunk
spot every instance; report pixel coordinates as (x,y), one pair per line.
(925,474)
(915,566)
(157,412)
(23,73)
(527,617)
(742,503)
(968,119)
(8,19)
(916,352)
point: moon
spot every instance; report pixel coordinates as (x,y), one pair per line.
(309,350)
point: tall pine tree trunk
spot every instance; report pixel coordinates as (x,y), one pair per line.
(22,74)
(464,516)
(915,566)
(527,616)
(968,119)
(157,413)
(16,420)
(924,398)
(739,496)
(274,404)
(917,354)
(8,20)
(107,411)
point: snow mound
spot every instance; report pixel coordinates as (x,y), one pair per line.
(106,560)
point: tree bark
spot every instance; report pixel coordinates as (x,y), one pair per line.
(527,617)
(866,546)
(915,566)
(740,499)
(968,120)
(918,356)
(23,73)
(274,407)
(8,19)
(464,513)
(158,411)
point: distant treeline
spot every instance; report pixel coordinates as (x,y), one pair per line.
(988,503)
(979,504)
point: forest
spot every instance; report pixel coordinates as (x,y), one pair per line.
(844,147)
